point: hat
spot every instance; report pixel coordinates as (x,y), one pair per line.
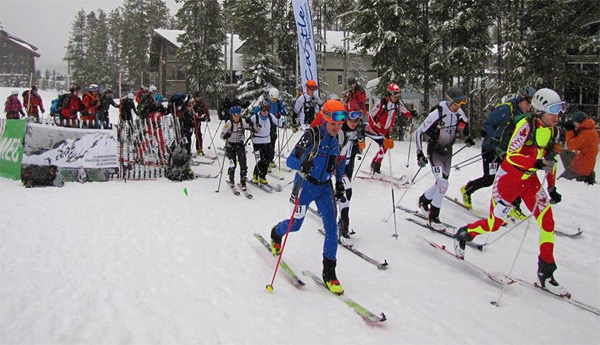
(351,80)
(579,116)
(455,93)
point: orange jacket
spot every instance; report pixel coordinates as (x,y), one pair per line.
(584,141)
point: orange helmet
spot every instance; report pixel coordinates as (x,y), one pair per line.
(334,111)
(311,84)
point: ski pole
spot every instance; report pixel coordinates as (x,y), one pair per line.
(221,173)
(270,286)
(507,231)
(467,164)
(212,136)
(462,148)
(212,142)
(395,235)
(466,160)
(363,160)
(405,191)
(412,121)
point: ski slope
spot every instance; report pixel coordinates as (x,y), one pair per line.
(142,262)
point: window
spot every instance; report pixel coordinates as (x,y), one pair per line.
(340,79)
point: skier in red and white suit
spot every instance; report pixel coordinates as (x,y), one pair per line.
(381,121)
(532,147)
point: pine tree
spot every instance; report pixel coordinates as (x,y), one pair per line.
(201,46)
(115,32)
(76,48)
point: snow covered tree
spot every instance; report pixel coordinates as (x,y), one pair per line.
(115,33)
(76,48)
(201,46)
(96,40)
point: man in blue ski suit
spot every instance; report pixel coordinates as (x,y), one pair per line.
(315,156)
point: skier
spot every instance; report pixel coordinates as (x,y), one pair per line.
(228,102)
(72,104)
(151,102)
(532,147)
(187,122)
(140,94)
(441,126)
(306,106)
(235,149)
(354,142)
(495,139)
(261,140)
(277,109)
(355,97)
(13,107)
(56,105)
(579,159)
(314,156)
(32,101)
(126,107)
(381,121)
(91,102)
(202,115)
(106,100)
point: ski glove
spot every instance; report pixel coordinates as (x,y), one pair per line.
(555,198)
(421,159)
(361,146)
(388,143)
(306,166)
(227,135)
(340,190)
(469,141)
(544,164)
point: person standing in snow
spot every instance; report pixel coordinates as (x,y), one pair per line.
(306,106)
(106,100)
(228,102)
(126,107)
(187,122)
(91,102)
(381,121)
(277,109)
(532,147)
(72,104)
(495,141)
(315,156)
(235,149)
(441,126)
(202,115)
(32,101)
(13,107)
(579,159)
(355,97)
(261,140)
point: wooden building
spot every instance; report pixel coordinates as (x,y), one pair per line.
(17,60)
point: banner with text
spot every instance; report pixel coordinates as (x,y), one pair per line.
(11,148)
(306,42)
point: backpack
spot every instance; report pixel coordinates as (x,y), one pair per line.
(57,104)
(177,99)
(509,129)
(179,165)
(11,104)
(35,175)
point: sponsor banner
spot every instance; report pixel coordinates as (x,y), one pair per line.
(70,147)
(306,41)
(11,148)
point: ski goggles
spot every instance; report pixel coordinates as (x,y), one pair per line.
(355,115)
(335,117)
(395,93)
(557,108)
(460,102)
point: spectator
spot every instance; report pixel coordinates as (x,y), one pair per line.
(579,159)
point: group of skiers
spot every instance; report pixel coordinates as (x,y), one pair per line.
(32,102)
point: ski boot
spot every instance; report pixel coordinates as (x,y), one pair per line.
(376,167)
(466,197)
(546,278)
(263,180)
(516,213)
(200,153)
(344,234)
(255,179)
(275,242)
(424,204)
(243,182)
(329,277)
(460,241)
(434,219)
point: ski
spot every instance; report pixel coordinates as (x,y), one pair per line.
(360,310)
(570,235)
(197,161)
(422,216)
(277,176)
(380,265)
(244,190)
(566,298)
(288,271)
(267,187)
(313,211)
(495,278)
(471,210)
(204,175)
(233,189)
(445,233)
(286,169)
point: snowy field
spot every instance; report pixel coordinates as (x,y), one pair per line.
(141,262)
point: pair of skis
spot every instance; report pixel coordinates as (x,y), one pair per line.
(237,188)
(359,309)
(267,187)
(380,265)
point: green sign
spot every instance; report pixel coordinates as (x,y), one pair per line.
(11,149)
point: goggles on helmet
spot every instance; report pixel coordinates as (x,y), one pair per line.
(557,108)
(459,102)
(335,117)
(355,115)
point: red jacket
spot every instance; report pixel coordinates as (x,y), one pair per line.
(357,99)
(584,141)
(71,105)
(13,107)
(31,103)
(91,104)
(383,116)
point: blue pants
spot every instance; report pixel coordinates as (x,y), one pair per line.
(322,195)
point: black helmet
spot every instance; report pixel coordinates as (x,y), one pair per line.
(455,94)
(74,87)
(351,80)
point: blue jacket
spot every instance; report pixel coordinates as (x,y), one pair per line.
(325,160)
(277,108)
(495,122)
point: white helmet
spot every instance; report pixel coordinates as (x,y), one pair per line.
(334,96)
(14,92)
(152,88)
(130,95)
(547,101)
(274,93)
(94,87)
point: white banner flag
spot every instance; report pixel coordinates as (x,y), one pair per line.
(306,42)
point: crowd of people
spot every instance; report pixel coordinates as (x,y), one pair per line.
(520,138)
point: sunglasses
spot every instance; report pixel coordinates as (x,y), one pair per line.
(396,93)
(557,108)
(311,88)
(355,115)
(274,100)
(335,117)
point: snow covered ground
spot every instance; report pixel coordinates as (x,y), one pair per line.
(141,262)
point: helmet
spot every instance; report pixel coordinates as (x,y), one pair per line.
(264,104)
(61,92)
(526,92)
(235,110)
(152,88)
(14,92)
(34,87)
(158,98)
(548,101)
(93,88)
(130,95)
(274,93)
(334,111)
(74,87)
(351,80)
(455,94)
(334,96)
(311,84)
(393,88)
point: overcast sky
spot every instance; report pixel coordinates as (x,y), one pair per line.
(46,24)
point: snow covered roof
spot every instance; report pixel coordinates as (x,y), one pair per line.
(335,40)
(171,37)
(30,47)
